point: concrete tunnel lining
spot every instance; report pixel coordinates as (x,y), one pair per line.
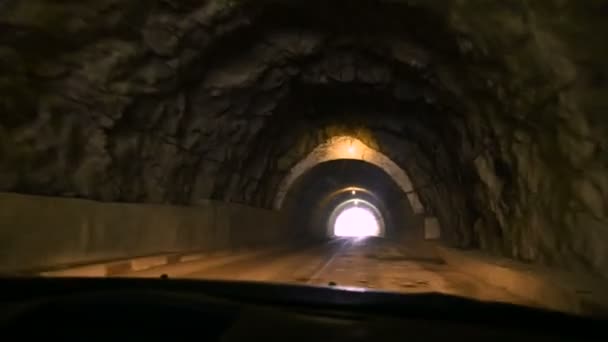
(345,147)
(314,196)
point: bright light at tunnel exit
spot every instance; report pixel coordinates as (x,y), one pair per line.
(356,222)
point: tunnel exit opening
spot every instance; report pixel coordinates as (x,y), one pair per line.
(356,222)
(356,218)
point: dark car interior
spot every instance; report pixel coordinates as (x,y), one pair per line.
(228,311)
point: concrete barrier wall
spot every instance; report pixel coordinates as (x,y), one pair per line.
(45,231)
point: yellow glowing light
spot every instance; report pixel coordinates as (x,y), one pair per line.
(353,192)
(351,150)
(356,222)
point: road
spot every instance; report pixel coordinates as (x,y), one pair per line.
(366,264)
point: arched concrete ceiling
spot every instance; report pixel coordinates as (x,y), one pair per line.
(357,190)
(345,147)
(496,109)
(315,194)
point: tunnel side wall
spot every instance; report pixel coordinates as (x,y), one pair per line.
(45,231)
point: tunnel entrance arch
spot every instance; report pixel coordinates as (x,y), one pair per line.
(345,147)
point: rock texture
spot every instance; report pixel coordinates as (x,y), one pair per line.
(497,109)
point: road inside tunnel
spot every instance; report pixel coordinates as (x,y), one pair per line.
(356,264)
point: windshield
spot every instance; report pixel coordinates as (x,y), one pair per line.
(403,146)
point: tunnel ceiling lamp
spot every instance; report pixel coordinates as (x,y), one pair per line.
(353,192)
(351,149)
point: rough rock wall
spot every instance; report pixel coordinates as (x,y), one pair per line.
(495,108)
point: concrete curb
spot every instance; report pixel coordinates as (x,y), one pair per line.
(120,267)
(551,290)
(131,265)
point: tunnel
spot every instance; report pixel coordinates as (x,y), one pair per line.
(131,129)
(317,197)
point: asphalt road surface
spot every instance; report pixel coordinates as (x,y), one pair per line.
(365,264)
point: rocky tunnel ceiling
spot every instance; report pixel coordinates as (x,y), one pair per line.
(496,109)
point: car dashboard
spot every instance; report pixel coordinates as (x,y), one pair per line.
(234,311)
